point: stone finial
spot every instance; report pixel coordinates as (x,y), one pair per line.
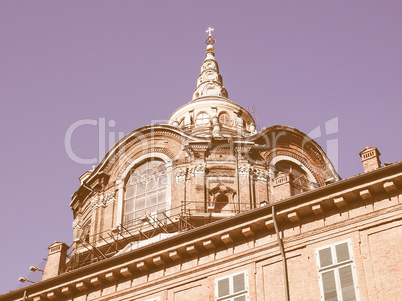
(56,260)
(370,158)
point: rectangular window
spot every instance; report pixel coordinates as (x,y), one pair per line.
(232,288)
(336,271)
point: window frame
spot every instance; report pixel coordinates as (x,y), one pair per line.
(225,123)
(232,295)
(335,266)
(146,192)
(125,173)
(203,118)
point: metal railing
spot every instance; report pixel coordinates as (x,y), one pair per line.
(91,248)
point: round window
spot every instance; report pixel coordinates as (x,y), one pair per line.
(202,119)
(225,119)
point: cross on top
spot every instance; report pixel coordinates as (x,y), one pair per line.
(209,30)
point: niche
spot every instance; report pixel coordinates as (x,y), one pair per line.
(221,199)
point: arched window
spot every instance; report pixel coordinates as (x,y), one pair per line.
(225,119)
(202,119)
(145,191)
(300,181)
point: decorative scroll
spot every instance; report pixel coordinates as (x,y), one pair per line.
(181,173)
(245,169)
(261,174)
(197,169)
(103,200)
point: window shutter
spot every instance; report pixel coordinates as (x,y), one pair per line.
(223,287)
(347,285)
(336,271)
(232,287)
(329,286)
(238,283)
(342,252)
(325,257)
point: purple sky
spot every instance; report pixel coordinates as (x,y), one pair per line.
(300,63)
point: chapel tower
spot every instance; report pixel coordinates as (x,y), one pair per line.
(208,163)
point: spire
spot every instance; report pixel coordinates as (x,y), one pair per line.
(210,82)
(210,113)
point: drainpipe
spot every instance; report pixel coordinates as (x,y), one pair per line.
(284,264)
(252,189)
(184,204)
(237,181)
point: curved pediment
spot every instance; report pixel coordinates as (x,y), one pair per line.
(280,142)
(163,141)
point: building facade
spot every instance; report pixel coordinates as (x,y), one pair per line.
(208,208)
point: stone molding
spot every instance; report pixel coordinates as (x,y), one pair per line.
(123,149)
(103,200)
(162,150)
(318,173)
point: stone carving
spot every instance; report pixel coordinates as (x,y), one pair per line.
(221,188)
(181,173)
(77,222)
(261,174)
(197,169)
(221,199)
(245,169)
(252,129)
(110,198)
(103,200)
(191,171)
(239,123)
(216,131)
(200,168)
